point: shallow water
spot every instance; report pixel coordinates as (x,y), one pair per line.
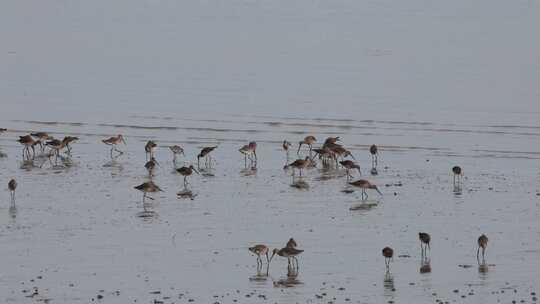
(433,84)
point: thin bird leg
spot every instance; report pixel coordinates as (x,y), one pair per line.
(478,255)
(144,197)
(267,259)
(300,169)
(185,182)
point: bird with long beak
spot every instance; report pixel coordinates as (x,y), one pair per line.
(28,142)
(349,165)
(185,172)
(331,140)
(40,138)
(68,140)
(249,151)
(148,187)
(113,142)
(205,152)
(299,164)
(288,252)
(308,140)
(364,185)
(260,250)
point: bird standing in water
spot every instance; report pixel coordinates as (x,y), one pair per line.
(148,187)
(149,148)
(425,239)
(299,164)
(12,186)
(113,142)
(176,150)
(364,184)
(482,243)
(290,253)
(458,173)
(374,151)
(308,140)
(260,250)
(185,172)
(205,152)
(349,165)
(388,254)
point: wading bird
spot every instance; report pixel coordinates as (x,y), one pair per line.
(349,165)
(291,243)
(249,151)
(113,142)
(308,140)
(290,253)
(12,186)
(41,137)
(149,148)
(185,172)
(68,140)
(205,152)
(458,173)
(259,250)
(299,164)
(176,150)
(364,185)
(425,239)
(148,187)
(388,254)
(151,165)
(482,243)
(28,142)
(374,155)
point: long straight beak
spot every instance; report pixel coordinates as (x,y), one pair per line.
(299,146)
(271,257)
(352,156)
(124,141)
(379,191)
(195,170)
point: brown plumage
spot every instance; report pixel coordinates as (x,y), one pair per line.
(299,164)
(12,186)
(28,142)
(68,140)
(349,165)
(388,254)
(205,152)
(151,165)
(288,252)
(113,141)
(149,149)
(185,172)
(176,150)
(148,187)
(249,151)
(425,239)
(286,145)
(308,140)
(364,185)
(259,250)
(331,140)
(291,243)
(482,243)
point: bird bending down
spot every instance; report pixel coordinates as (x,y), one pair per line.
(482,243)
(176,150)
(308,140)
(148,187)
(364,185)
(299,164)
(185,172)
(68,140)
(205,152)
(260,250)
(290,253)
(425,239)
(113,142)
(249,151)
(28,142)
(458,173)
(349,165)
(149,148)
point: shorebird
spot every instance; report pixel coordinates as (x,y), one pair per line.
(12,185)
(113,142)
(286,145)
(424,241)
(185,172)
(364,184)
(349,165)
(340,151)
(56,145)
(388,254)
(299,164)
(331,141)
(249,151)
(291,243)
(205,152)
(259,250)
(68,140)
(40,138)
(28,142)
(148,187)
(308,140)
(482,243)
(2,130)
(149,148)
(151,165)
(288,252)
(457,173)
(374,155)
(176,150)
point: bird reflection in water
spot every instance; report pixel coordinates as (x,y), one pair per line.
(249,171)
(388,284)
(425,265)
(291,280)
(300,183)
